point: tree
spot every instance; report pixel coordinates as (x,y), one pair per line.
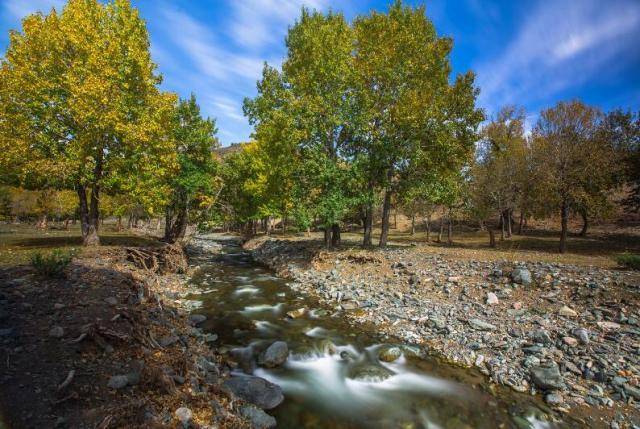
(313,96)
(574,163)
(194,185)
(408,111)
(621,130)
(79,105)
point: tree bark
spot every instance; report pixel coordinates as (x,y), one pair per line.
(327,237)
(428,225)
(88,222)
(492,238)
(368,226)
(386,211)
(585,223)
(413,224)
(439,240)
(508,223)
(335,235)
(450,229)
(564,219)
(521,223)
(502,226)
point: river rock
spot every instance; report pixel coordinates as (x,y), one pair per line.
(567,312)
(118,381)
(295,314)
(570,341)
(582,335)
(275,355)
(554,399)
(541,336)
(521,276)
(390,354)
(196,319)
(608,326)
(256,390)
(546,378)
(482,325)
(370,373)
(185,415)
(258,418)
(492,298)
(56,332)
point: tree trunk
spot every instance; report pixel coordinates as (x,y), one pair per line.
(509,223)
(335,235)
(88,221)
(502,226)
(327,237)
(564,219)
(66,224)
(284,225)
(119,224)
(428,225)
(395,217)
(386,211)
(413,224)
(450,229)
(42,223)
(492,238)
(585,223)
(368,226)
(439,240)
(521,223)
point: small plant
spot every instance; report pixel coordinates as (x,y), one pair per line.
(629,260)
(52,264)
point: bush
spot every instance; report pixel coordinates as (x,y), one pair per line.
(52,264)
(629,260)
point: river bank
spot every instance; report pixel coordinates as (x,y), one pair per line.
(569,333)
(107,346)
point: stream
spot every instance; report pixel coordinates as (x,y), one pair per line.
(338,375)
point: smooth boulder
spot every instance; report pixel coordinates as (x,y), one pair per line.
(256,390)
(258,418)
(275,355)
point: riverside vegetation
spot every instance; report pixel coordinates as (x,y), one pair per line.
(507,250)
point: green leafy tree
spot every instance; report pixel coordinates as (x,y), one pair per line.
(80,107)
(410,115)
(194,186)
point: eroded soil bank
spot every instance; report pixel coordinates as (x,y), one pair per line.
(568,333)
(106,347)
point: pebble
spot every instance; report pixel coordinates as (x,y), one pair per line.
(184,415)
(56,332)
(118,381)
(570,341)
(492,298)
(567,312)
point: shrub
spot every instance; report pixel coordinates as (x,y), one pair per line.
(629,260)
(51,264)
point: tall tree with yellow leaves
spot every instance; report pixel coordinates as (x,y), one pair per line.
(80,106)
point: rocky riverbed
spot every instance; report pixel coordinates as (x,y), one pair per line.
(569,333)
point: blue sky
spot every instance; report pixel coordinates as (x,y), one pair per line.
(531,53)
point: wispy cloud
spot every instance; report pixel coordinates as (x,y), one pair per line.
(258,23)
(560,46)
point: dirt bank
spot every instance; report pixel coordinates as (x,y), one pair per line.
(106,347)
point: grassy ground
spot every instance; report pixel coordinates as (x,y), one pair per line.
(18,242)
(598,248)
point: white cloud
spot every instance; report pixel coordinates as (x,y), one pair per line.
(18,9)
(258,23)
(560,46)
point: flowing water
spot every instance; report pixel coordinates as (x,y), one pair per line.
(334,377)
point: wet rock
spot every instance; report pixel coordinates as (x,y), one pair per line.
(197,319)
(256,390)
(521,276)
(56,332)
(257,418)
(295,314)
(390,354)
(327,346)
(481,325)
(567,312)
(275,355)
(492,298)
(118,382)
(184,415)
(546,378)
(370,373)
(111,300)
